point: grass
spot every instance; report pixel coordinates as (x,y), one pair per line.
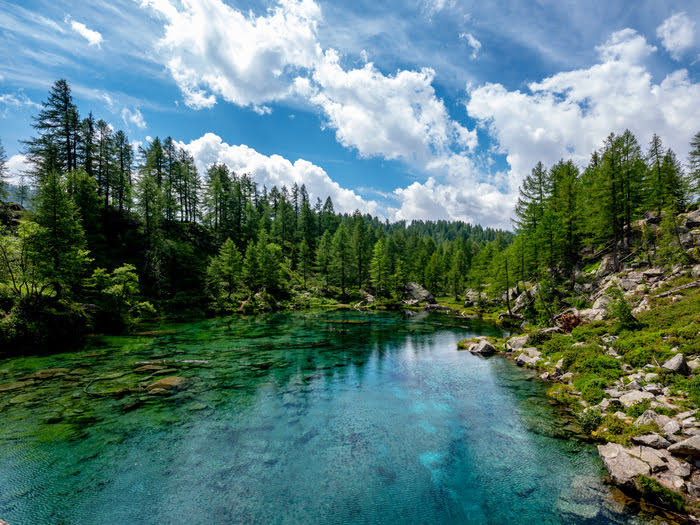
(657,493)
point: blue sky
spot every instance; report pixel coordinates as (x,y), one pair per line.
(411,109)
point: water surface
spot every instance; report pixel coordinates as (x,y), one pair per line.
(308,417)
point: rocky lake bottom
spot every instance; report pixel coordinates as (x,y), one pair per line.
(313,417)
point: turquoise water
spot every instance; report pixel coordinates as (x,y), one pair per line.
(336,417)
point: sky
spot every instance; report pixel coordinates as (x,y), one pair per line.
(408,109)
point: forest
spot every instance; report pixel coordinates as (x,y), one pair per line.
(113,233)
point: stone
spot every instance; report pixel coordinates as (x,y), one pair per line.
(693,364)
(677,365)
(671,427)
(544,376)
(652,440)
(606,267)
(559,367)
(526,360)
(482,348)
(671,481)
(420,294)
(532,352)
(602,302)
(567,378)
(649,416)
(149,368)
(49,373)
(651,457)
(688,447)
(621,465)
(167,383)
(593,314)
(517,342)
(651,377)
(632,398)
(6,387)
(654,388)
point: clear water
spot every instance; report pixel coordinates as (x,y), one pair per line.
(336,417)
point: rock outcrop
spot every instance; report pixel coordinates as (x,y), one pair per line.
(482,348)
(417,292)
(622,466)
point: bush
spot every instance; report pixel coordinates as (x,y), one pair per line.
(619,309)
(638,409)
(657,493)
(592,390)
(537,338)
(589,420)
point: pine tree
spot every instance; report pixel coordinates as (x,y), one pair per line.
(379,268)
(224,271)
(4,172)
(694,161)
(323,256)
(60,240)
(57,124)
(341,255)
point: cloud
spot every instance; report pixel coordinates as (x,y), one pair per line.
(394,117)
(16,101)
(568,114)
(473,43)
(275,171)
(94,38)
(16,165)
(213,50)
(133,117)
(677,34)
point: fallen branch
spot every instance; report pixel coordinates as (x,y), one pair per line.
(678,289)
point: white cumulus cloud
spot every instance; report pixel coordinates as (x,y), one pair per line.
(16,166)
(677,34)
(275,170)
(94,38)
(568,114)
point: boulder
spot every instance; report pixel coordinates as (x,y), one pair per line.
(167,383)
(606,267)
(654,458)
(671,427)
(526,298)
(652,440)
(420,294)
(525,360)
(621,465)
(567,378)
(677,365)
(531,351)
(593,314)
(518,342)
(632,398)
(688,447)
(602,302)
(482,348)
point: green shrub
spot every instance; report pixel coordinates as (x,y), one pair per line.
(537,338)
(657,493)
(592,390)
(589,420)
(638,409)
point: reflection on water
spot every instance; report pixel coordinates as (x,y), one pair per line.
(338,417)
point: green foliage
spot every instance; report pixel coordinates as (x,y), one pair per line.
(619,309)
(592,390)
(657,493)
(638,409)
(589,419)
(224,274)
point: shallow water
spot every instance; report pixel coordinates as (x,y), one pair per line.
(338,417)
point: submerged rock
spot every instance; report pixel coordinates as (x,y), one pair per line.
(14,386)
(167,383)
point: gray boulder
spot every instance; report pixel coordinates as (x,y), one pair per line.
(652,440)
(525,360)
(632,398)
(689,447)
(526,298)
(420,294)
(482,348)
(518,342)
(677,364)
(622,466)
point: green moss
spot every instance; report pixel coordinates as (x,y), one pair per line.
(657,493)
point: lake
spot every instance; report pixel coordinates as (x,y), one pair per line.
(311,417)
